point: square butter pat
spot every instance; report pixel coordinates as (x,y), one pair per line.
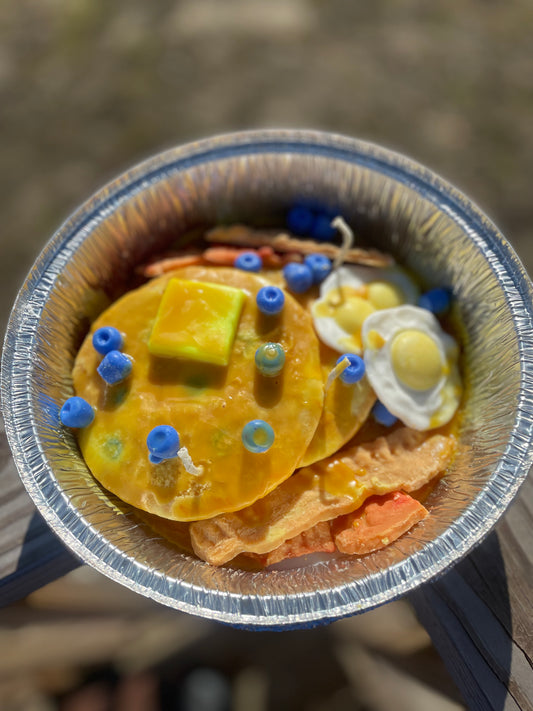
(197,320)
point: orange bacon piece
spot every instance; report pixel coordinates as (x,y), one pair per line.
(378,522)
(405,459)
(317,539)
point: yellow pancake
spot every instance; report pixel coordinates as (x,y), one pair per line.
(207,404)
(346,407)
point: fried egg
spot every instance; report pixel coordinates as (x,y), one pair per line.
(411,364)
(350,294)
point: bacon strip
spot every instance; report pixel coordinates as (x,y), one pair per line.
(162,266)
(217,256)
(317,539)
(405,459)
(380,521)
(226,256)
(244,236)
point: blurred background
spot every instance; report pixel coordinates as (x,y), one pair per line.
(88,89)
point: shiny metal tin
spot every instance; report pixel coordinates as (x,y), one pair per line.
(394,204)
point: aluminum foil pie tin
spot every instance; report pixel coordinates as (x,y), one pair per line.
(393,204)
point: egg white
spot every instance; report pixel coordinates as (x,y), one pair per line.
(421,410)
(327,328)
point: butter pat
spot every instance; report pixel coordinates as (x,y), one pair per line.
(197,321)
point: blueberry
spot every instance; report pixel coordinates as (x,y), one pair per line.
(320,265)
(107,339)
(299,277)
(322,229)
(355,371)
(270,300)
(300,220)
(270,359)
(436,300)
(114,367)
(257,436)
(76,412)
(163,442)
(249,262)
(382,415)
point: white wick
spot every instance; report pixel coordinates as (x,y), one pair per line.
(347,240)
(188,464)
(335,372)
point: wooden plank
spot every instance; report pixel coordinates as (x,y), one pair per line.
(479,615)
(30,554)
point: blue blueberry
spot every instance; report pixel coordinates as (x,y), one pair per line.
(257,436)
(322,229)
(248,262)
(320,266)
(436,300)
(270,300)
(382,415)
(270,359)
(76,412)
(300,220)
(115,366)
(299,277)
(355,371)
(163,442)
(107,339)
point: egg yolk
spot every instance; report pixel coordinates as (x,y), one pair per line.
(416,359)
(384,295)
(346,308)
(352,312)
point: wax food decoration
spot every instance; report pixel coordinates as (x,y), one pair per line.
(411,364)
(283,244)
(270,359)
(317,539)
(163,443)
(355,371)
(300,220)
(377,523)
(270,300)
(76,412)
(320,266)
(107,339)
(115,367)
(299,277)
(380,521)
(237,470)
(403,460)
(316,223)
(436,300)
(382,415)
(322,229)
(350,294)
(197,321)
(249,262)
(346,408)
(207,404)
(257,436)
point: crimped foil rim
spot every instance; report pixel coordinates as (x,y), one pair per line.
(289,610)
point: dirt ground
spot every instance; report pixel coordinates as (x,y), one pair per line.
(88,89)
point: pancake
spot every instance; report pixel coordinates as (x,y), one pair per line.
(207,404)
(346,407)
